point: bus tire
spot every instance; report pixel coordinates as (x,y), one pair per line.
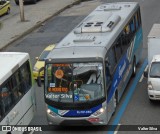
(134,67)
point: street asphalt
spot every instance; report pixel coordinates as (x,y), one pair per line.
(13,29)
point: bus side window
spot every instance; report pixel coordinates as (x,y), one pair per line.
(6,100)
(126,37)
(139,17)
(25,77)
(118,49)
(15,80)
(132,26)
(136,20)
(112,59)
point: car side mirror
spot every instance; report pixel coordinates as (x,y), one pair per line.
(36,58)
(145,74)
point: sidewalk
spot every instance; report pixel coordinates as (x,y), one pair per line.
(13,29)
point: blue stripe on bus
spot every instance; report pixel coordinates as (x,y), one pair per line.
(124,62)
(138,40)
(129,95)
(121,68)
(82,113)
(75,113)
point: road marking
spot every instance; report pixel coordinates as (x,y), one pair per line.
(129,95)
(115,132)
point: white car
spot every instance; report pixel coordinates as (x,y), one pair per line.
(154,79)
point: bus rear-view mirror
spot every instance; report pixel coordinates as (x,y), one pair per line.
(39,83)
(39,77)
(145,73)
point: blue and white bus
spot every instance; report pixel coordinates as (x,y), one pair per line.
(17,93)
(87,72)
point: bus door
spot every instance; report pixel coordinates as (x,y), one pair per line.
(110,104)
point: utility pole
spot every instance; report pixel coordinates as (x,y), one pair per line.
(21,6)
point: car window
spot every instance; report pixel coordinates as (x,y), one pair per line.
(43,55)
(155,70)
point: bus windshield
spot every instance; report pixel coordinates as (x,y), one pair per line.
(74,82)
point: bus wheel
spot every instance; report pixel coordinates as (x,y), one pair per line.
(134,68)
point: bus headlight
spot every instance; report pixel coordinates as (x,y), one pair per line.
(100,111)
(51,112)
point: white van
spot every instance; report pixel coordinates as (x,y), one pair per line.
(154,78)
(153,72)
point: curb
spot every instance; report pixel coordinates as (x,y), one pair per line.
(37,25)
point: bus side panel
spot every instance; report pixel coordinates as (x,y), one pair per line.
(14,117)
(118,76)
(138,45)
(137,51)
(110,108)
(117,80)
(125,81)
(28,106)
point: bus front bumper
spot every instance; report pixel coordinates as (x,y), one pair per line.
(76,121)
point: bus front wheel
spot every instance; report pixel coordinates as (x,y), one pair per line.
(134,68)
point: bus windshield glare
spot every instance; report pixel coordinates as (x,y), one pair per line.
(74,82)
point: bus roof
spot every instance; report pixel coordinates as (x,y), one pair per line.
(96,33)
(10,62)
